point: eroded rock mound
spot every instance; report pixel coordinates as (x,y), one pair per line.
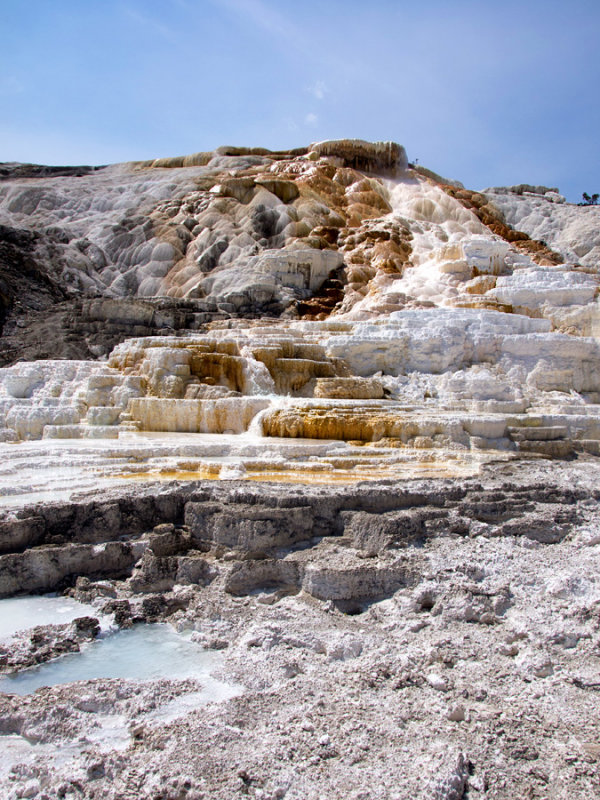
(381,157)
(343,227)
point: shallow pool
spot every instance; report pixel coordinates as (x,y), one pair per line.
(21,613)
(144,652)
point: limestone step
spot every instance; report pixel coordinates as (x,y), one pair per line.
(105,380)
(557,448)
(130,427)
(349,388)
(320,369)
(538,433)
(100,432)
(62,432)
(590,446)
(103,415)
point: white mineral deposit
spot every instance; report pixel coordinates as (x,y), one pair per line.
(304,445)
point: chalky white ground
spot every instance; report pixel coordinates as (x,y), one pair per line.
(483,673)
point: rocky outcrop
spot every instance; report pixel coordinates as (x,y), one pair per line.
(318,535)
(380,157)
(46,642)
(13,170)
(483,207)
(26,284)
(543,214)
(354,623)
(269,283)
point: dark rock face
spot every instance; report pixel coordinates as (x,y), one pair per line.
(314,539)
(24,284)
(10,170)
(48,569)
(84,328)
(248,528)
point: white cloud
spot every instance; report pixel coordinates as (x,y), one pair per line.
(311,120)
(318,90)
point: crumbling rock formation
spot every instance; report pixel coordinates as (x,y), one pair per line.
(46,545)
(380,157)
(332,609)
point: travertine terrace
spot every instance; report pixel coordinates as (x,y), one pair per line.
(341,417)
(294,288)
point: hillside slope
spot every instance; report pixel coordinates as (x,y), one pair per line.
(344,228)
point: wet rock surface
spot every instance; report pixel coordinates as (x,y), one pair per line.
(427,639)
(46,642)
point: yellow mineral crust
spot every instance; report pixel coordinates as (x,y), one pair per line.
(360,422)
(352,388)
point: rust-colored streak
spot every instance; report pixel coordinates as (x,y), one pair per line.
(491,217)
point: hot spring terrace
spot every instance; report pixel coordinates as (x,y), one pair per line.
(434,393)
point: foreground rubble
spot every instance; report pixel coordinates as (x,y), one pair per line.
(435,639)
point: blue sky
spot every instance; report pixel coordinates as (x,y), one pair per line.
(490,93)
